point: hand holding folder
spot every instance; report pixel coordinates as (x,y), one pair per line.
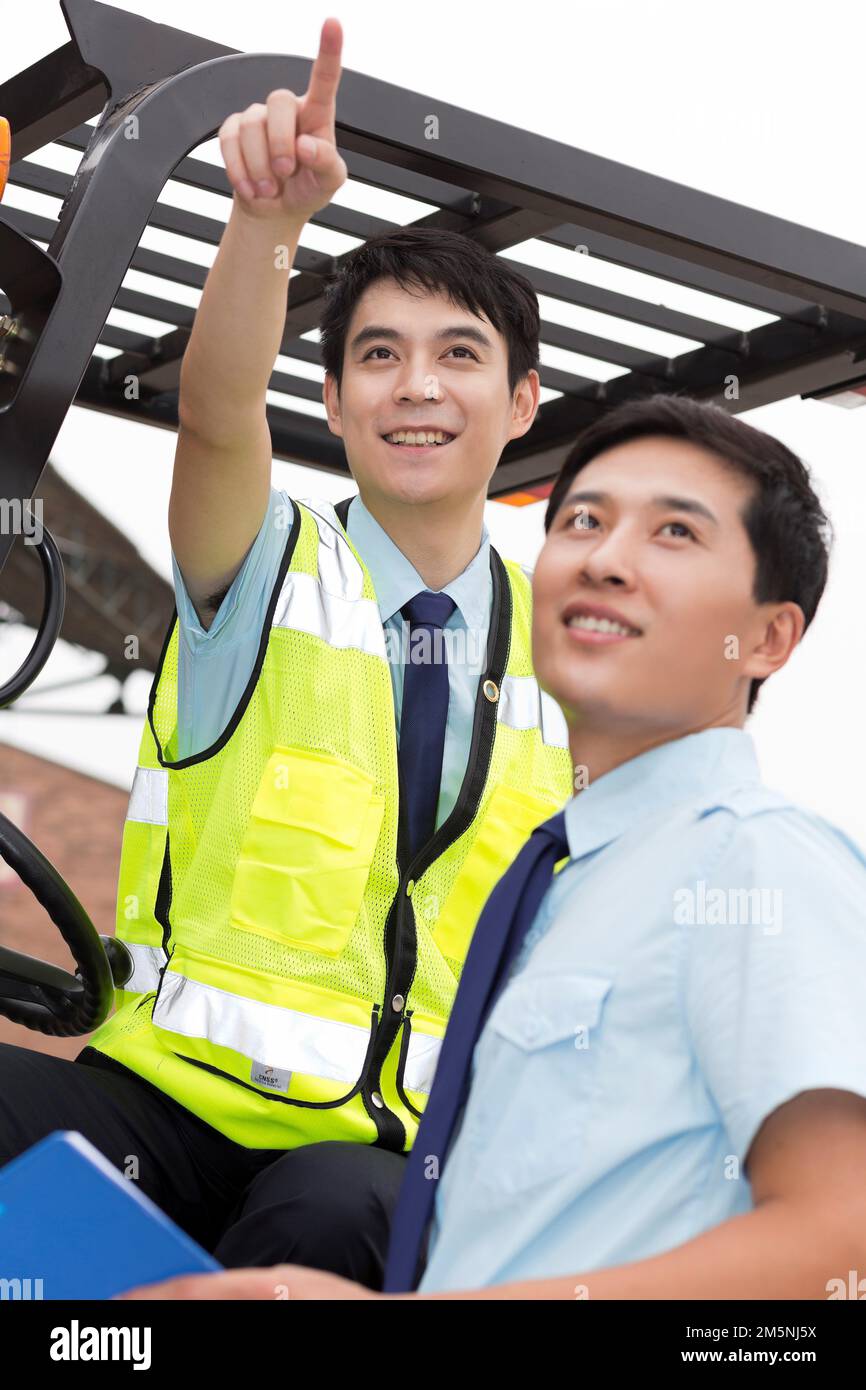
(74,1227)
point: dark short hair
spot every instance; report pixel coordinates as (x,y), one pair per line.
(786,524)
(425,258)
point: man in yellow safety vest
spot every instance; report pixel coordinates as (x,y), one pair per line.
(345,745)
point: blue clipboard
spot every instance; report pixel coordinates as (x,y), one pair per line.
(72,1226)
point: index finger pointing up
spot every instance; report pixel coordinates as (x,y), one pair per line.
(318,110)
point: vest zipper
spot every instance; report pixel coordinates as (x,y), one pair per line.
(162,904)
(401,1065)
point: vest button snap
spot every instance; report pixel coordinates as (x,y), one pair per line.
(409,886)
(377,1101)
(397,1003)
(491,690)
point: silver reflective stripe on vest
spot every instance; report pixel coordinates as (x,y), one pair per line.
(148,799)
(522,705)
(331,607)
(339,571)
(148,961)
(554,730)
(422,1056)
(265,1033)
(306,606)
(283,1038)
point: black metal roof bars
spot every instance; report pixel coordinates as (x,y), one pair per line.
(160,92)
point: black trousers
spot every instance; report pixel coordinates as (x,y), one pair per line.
(326,1205)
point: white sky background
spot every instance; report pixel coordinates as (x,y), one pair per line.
(760,104)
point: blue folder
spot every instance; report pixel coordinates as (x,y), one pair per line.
(70,1219)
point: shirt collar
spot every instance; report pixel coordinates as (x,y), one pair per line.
(696,767)
(396,579)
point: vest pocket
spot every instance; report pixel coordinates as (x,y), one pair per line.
(307,851)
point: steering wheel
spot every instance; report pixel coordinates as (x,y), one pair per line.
(33,992)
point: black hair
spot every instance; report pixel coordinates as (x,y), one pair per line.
(786,524)
(427,258)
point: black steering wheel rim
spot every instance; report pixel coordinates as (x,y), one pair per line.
(32,991)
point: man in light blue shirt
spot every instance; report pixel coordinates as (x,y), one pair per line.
(659,1013)
(679,1053)
(668,1097)
(215,663)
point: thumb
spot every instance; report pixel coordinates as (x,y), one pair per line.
(325,162)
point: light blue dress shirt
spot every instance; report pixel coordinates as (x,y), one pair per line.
(215,664)
(698,961)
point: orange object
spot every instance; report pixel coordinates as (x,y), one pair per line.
(527,495)
(5,152)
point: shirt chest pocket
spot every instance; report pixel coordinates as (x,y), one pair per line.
(307,850)
(536,1079)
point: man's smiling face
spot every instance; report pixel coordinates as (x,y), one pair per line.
(652,530)
(414,361)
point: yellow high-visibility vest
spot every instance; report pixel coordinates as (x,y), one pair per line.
(294,968)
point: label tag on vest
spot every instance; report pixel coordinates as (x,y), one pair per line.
(272,1077)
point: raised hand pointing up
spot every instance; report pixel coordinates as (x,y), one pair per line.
(281,155)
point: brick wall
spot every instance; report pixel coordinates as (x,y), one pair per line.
(77,823)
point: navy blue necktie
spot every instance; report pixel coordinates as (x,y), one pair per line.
(424,713)
(499,934)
